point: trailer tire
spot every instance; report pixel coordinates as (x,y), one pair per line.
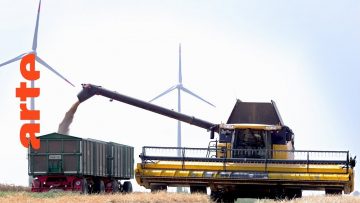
(85,187)
(115,186)
(101,187)
(127,187)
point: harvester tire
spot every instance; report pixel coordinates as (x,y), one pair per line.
(158,187)
(333,191)
(293,193)
(218,196)
(198,189)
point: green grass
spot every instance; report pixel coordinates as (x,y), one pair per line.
(50,194)
(3,193)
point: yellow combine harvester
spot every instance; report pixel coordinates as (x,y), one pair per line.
(254,156)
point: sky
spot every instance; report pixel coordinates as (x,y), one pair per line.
(304,55)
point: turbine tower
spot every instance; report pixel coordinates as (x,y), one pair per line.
(180,87)
(37,58)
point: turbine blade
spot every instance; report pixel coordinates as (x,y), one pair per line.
(167,91)
(180,72)
(38,59)
(12,60)
(193,94)
(34,46)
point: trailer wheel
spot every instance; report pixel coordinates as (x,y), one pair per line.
(115,186)
(102,187)
(127,187)
(85,187)
(198,189)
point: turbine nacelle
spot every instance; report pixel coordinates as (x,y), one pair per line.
(180,87)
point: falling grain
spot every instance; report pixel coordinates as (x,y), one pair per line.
(64,126)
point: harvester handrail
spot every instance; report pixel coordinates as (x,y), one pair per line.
(245,160)
(202,148)
(259,156)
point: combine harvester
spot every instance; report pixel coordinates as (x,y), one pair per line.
(254,156)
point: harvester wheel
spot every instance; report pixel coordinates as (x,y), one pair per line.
(127,187)
(293,193)
(158,187)
(333,191)
(228,198)
(115,186)
(218,196)
(198,189)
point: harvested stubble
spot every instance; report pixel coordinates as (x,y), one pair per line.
(13,188)
(106,198)
(324,199)
(60,197)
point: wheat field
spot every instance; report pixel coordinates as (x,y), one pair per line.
(10,193)
(56,197)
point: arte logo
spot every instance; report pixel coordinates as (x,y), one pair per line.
(27,68)
(28,130)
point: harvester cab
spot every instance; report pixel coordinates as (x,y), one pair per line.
(253,130)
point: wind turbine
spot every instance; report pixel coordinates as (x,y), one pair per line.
(180,87)
(37,58)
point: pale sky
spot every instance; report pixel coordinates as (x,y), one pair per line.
(302,54)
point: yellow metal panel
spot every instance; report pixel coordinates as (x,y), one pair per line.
(182,173)
(152,172)
(168,173)
(271,176)
(196,173)
(282,155)
(221,154)
(257,167)
(138,171)
(309,177)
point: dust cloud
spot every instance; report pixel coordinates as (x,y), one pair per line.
(64,126)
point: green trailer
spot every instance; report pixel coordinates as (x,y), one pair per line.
(76,164)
